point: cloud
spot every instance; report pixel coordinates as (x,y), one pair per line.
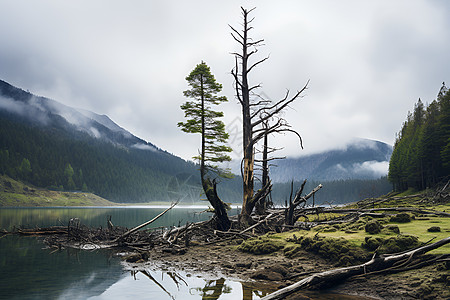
(375,168)
(12,106)
(368,62)
(144,147)
(33,111)
(94,132)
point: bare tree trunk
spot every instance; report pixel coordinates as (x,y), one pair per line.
(289,220)
(261,205)
(222,221)
(251,110)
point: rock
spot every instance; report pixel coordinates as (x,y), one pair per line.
(137,257)
(272,273)
(373,227)
(244,265)
(393,228)
(434,229)
(267,275)
(401,218)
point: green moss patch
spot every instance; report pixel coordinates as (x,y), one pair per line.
(262,245)
(337,250)
(373,227)
(401,218)
(390,245)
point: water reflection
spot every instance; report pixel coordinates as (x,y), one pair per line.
(27,271)
(147,284)
(120,216)
(30,272)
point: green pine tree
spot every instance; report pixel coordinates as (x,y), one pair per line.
(201,118)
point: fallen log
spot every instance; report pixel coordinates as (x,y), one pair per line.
(377,263)
(144,224)
(254,225)
(37,231)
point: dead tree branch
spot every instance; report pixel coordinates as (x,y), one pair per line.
(144,224)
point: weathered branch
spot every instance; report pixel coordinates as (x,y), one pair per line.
(144,224)
(255,225)
(257,63)
(263,192)
(279,106)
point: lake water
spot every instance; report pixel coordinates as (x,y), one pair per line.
(30,271)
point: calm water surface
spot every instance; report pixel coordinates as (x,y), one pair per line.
(30,271)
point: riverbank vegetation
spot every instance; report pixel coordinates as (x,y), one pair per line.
(17,194)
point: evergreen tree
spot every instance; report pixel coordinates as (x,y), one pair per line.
(25,168)
(68,173)
(204,120)
(421,156)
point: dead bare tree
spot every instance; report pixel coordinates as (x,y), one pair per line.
(254,111)
(298,199)
(266,153)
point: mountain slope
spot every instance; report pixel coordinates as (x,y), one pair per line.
(360,159)
(51,145)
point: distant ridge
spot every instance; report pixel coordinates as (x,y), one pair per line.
(359,159)
(41,111)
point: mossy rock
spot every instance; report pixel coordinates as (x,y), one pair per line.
(333,249)
(373,227)
(399,243)
(372,243)
(390,229)
(401,218)
(434,229)
(261,245)
(292,251)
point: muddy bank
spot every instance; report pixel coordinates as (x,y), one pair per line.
(275,271)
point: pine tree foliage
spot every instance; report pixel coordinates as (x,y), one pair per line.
(201,118)
(421,156)
(204,120)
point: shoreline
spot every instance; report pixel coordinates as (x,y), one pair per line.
(276,271)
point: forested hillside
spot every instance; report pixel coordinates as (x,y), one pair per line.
(39,145)
(51,159)
(421,156)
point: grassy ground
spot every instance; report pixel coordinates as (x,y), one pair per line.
(393,232)
(14,193)
(417,227)
(350,244)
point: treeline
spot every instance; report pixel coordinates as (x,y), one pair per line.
(421,156)
(334,192)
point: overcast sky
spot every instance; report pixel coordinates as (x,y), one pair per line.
(368,62)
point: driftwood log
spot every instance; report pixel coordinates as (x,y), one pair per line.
(376,264)
(144,224)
